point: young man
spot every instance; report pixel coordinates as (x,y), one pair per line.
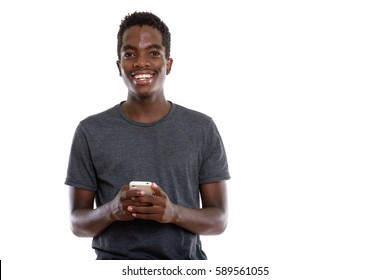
(147,138)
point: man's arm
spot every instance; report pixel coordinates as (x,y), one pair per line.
(211,219)
(89,222)
(86,221)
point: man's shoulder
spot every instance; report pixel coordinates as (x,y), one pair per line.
(101,117)
(192,115)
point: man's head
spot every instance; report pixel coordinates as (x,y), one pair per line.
(141,19)
(143,55)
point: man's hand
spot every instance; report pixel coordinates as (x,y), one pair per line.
(157,207)
(123,202)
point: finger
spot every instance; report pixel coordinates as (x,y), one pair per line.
(129,213)
(149,199)
(158,191)
(154,217)
(144,210)
(132,194)
(138,203)
(123,192)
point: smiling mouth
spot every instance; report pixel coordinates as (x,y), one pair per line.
(143,77)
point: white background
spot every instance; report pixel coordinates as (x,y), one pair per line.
(299,91)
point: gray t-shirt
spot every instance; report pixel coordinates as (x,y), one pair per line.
(179,152)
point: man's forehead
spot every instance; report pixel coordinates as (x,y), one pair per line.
(142,32)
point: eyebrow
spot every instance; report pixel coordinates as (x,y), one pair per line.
(152,46)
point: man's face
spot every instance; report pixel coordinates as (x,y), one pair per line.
(143,65)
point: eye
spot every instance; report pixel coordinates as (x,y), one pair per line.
(155,53)
(128,54)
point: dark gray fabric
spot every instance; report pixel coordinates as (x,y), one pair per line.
(179,152)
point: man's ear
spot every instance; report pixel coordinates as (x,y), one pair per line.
(118,64)
(169,65)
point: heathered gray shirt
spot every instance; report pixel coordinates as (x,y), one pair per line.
(179,152)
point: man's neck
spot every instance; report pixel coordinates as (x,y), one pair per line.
(146,111)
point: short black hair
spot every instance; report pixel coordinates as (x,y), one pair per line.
(145,18)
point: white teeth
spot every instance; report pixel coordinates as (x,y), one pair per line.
(143,76)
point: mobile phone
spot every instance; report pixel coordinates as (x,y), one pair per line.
(145,186)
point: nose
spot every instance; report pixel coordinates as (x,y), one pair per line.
(141,62)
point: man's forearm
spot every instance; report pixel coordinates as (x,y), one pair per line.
(90,222)
(205,221)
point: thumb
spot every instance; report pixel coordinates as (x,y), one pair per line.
(157,190)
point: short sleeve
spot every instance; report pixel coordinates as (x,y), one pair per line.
(81,172)
(214,166)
